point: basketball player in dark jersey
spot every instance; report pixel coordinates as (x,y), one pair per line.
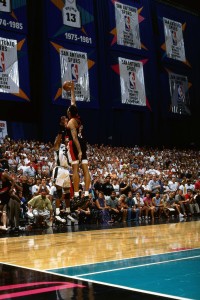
(77,150)
(6,185)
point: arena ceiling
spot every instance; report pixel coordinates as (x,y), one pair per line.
(190,5)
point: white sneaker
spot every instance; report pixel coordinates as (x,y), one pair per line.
(71,219)
(58,218)
(3,228)
(181,215)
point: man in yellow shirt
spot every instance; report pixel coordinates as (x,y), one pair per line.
(40,208)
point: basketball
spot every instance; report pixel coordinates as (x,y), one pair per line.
(67,85)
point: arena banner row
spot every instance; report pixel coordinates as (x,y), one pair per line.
(77,63)
(13,15)
(71,21)
(14,67)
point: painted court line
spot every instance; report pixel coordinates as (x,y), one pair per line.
(143,265)
(129,258)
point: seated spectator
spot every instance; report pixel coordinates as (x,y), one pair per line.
(103,209)
(174,203)
(193,205)
(40,208)
(154,185)
(148,206)
(158,204)
(139,204)
(115,212)
(133,211)
(123,207)
(83,215)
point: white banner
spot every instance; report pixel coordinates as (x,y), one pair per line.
(174,40)
(71,15)
(179,94)
(9,74)
(74,66)
(132,82)
(5,5)
(3,130)
(127,25)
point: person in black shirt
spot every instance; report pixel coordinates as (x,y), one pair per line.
(125,186)
(107,187)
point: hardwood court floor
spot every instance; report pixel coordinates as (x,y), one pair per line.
(57,250)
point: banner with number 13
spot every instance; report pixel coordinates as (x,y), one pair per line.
(71,15)
(5,5)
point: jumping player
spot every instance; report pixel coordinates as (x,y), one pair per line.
(77,149)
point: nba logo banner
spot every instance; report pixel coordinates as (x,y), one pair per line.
(127,25)
(74,67)
(180,101)
(2,62)
(9,73)
(132,82)
(174,41)
(74,70)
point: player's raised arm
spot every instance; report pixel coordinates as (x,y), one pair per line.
(69,86)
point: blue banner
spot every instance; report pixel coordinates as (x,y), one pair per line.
(13,15)
(71,21)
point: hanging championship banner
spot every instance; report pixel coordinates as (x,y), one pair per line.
(127,25)
(3,130)
(9,74)
(5,5)
(71,15)
(174,40)
(74,66)
(71,20)
(132,82)
(13,15)
(180,101)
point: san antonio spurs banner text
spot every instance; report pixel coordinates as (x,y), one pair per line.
(132,82)
(74,66)
(127,25)
(174,40)
(9,74)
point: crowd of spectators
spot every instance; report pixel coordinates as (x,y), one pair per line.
(137,183)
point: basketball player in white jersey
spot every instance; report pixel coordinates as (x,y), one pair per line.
(61,175)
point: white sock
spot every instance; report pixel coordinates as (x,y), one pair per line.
(67,209)
(86,193)
(57,211)
(76,194)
